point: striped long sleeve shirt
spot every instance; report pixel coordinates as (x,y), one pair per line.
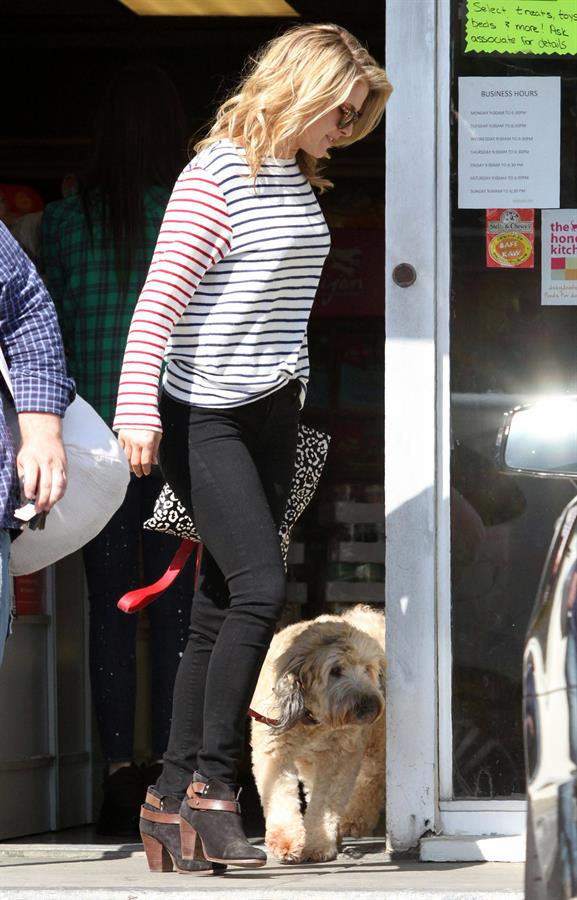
(229,291)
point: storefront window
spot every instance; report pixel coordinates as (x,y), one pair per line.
(513,339)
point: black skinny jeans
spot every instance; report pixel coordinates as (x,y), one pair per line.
(232,469)
(121,558)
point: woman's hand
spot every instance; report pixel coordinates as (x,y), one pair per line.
(140,448)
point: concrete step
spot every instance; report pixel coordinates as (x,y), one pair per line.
(31,871)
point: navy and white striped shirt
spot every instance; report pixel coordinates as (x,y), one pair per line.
(230,288)
(32,346)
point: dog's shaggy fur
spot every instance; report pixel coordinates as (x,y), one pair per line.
(324,681)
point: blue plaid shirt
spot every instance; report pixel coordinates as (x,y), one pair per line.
(32,345)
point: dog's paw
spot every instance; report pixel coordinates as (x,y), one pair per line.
(319,851)
(285,844)
(355,828)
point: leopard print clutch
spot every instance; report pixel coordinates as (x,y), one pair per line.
(170,516)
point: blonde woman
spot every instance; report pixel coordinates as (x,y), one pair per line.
(226,303)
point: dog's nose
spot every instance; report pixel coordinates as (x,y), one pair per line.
(367,708)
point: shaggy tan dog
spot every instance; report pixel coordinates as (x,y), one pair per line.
(323,680)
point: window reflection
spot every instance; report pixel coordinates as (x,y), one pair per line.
(506,348)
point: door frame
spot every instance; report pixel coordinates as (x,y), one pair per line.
(417,453)
(410,423)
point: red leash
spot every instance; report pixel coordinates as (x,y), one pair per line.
(136,600)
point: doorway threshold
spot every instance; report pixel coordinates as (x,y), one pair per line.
(473,848)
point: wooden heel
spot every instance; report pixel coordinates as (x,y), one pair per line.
(190,845)
(157,856)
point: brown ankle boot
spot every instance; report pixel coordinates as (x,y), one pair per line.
(160,832)
(210,823)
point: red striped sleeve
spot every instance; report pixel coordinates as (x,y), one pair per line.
(149,299)
(199,203)
(195,234)
(160,271)
(156,321)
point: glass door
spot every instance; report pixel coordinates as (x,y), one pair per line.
(513,339)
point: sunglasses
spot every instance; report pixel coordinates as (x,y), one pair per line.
(349,115)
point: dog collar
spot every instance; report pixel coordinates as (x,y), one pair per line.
(264,719)
(308,717)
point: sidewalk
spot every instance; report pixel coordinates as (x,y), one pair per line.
(30,871)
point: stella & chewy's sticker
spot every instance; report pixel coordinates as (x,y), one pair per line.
(510,238)
(559,257)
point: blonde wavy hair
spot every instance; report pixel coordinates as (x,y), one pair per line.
(294,80)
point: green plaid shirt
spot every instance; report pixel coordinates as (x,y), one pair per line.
(94,316)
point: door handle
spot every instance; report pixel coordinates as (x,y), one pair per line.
(404,275)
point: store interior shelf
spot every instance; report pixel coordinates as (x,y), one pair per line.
(355,592)
(39,619)
(350,511)
(359,551)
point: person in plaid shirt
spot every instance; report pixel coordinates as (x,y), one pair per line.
(94,306)
(32,347)
(96,250)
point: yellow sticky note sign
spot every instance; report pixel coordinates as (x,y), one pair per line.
(536,27)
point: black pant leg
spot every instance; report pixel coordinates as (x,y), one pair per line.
(231,628)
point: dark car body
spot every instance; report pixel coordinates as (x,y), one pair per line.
(550,676)
(550,722)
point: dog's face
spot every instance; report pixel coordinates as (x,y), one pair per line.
(334,674)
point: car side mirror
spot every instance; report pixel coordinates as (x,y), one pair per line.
(540,439)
